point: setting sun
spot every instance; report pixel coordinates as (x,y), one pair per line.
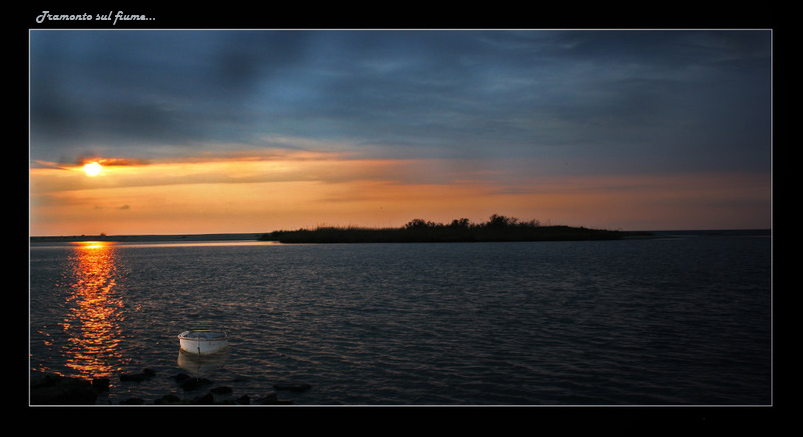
(92,169)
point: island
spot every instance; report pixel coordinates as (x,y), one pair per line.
(498,228)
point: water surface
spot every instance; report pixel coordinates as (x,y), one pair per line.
(674,321)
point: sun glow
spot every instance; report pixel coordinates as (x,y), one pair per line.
(293,191)
(92,169)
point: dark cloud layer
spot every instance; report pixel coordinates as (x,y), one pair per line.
(653,99)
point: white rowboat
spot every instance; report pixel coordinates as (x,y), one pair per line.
(203,342)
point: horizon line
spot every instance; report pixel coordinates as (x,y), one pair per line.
(242,234)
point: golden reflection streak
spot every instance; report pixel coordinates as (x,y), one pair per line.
(93,324)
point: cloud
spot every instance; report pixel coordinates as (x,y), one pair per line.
(658,100)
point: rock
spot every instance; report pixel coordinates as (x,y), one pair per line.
(52,389)
(270,398)
(243,400)
(132,401)
(273,399)
(181,377)
(206,399)
(192,384)
(226,402)
(138,377)
(100,384)
(221,390)
(167,400)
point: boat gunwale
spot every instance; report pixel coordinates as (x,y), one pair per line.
(186,335)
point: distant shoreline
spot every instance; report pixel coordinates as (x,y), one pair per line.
(147,238)
(291,237)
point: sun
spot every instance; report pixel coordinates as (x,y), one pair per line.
(92,169)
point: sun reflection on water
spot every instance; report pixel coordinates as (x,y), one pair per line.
(96,310)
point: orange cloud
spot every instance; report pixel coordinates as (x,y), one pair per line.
(292,190)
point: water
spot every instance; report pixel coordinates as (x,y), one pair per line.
(674,321)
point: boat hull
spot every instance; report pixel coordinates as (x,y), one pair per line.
(200,365)
(203,342)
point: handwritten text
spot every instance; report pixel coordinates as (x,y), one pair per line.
(46,15)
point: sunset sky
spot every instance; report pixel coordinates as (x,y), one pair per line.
(218,131)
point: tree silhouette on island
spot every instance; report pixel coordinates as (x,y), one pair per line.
(497,228)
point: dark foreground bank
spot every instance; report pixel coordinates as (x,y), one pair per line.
(52,389)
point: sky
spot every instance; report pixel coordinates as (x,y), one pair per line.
(241,131)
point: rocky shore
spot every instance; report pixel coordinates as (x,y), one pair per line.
(52,389)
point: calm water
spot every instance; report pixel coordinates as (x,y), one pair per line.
(675,321)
